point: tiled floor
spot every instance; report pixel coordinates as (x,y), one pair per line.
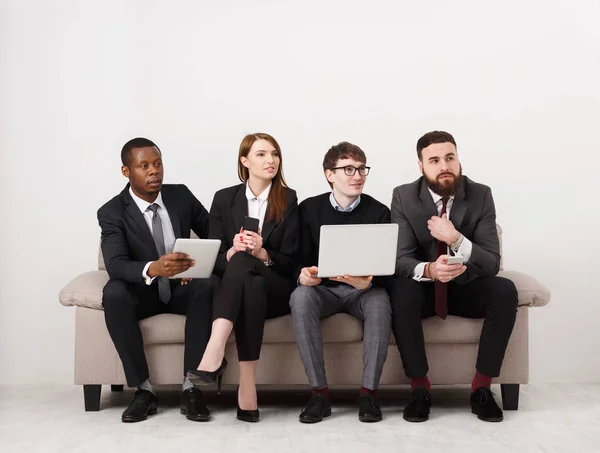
(551,418)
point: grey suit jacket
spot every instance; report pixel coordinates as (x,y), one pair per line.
(473,214)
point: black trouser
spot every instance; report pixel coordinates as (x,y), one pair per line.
(127,303)
(492,298)
(250,293)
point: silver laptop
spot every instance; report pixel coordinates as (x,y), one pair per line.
(358,250)
(203,251)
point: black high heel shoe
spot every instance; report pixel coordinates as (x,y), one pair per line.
(248,416)
(201,377)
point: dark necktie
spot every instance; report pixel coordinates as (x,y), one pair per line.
(164,287)
(441,289)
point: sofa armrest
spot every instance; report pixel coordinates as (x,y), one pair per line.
(85,290)
(531,292)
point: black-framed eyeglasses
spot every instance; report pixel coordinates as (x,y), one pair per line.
(349,170)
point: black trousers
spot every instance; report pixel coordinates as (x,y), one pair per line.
(127,303)
(250,293)
(492,298)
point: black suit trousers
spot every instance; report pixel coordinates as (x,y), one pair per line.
(250,293)
(127,303)
(492,298)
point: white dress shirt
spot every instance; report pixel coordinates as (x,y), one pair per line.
(257,205)
(167,226)
(465,247)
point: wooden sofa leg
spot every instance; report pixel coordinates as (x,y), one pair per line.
(91,397)
(510,396)
(116,388)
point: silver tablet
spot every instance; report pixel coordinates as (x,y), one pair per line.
(203,251)
(358,250)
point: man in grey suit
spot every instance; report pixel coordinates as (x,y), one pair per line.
(443,216)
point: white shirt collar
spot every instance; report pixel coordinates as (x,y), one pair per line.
(143,204)
(337,207)
(262,197)
(437,197)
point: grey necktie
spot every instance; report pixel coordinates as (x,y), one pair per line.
(164,287)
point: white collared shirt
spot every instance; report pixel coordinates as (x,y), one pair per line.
(466,246)
(337,207)
(167,226)
(257,205)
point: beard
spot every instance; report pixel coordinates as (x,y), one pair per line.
(445,188)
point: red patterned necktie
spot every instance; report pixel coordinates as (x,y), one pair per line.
(441,289)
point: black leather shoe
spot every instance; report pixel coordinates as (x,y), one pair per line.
(248,416)
(318,407)
(201,377)
(418,408)
(369,409)
(193,407)
(484,405)
(144,403)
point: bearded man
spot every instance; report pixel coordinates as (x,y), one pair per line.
(445,217)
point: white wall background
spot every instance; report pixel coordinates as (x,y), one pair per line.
(515,82)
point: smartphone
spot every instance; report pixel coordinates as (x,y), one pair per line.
(250,224)
(456,259)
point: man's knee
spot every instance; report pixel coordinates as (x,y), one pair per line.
(504,294)
(376,302)
(209,285)
(202,290)
(117,296)
(406,295)
(304,300)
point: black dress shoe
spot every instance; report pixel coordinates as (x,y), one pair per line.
(144,403)
(201,377)
(248,416)
(484,405)
(193,407)
(369,409)
(418,408)
(318,406)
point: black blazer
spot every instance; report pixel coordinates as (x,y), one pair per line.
(280,239)
(473,214)
(127,244)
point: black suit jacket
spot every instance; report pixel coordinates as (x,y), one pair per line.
(127,243)
(280,239)
(473,214)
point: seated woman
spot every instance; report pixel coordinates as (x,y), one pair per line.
(255,267)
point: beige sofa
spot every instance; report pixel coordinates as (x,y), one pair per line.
(451,346)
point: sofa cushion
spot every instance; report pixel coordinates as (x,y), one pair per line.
(85,290)
(340,328)
(169,328)
(531,292)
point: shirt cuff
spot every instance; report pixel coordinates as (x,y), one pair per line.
(148,280)
(465,249)
(418,273)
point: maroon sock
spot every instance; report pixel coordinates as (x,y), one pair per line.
(420,383)
(481,380)
(364,390)
(324,391)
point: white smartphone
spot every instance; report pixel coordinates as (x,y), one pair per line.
(456,259)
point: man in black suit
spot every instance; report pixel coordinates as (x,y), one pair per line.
(444,213)
(139,228)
